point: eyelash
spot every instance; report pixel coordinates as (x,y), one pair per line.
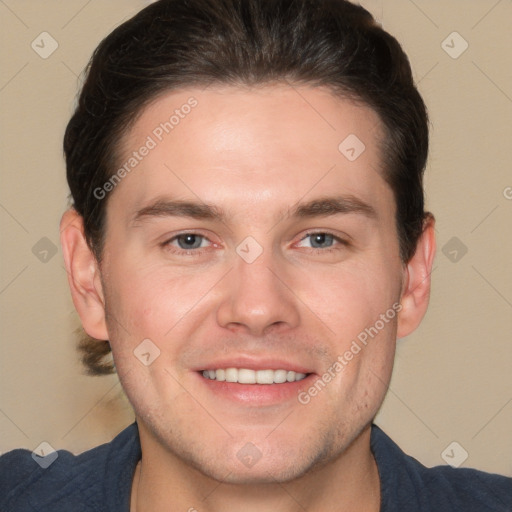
(200,251)
(186,252)
(339,242)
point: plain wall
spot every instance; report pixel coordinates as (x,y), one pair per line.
(453,378)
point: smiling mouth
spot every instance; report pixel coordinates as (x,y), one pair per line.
(247,376)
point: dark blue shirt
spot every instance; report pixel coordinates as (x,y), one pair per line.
(100,480)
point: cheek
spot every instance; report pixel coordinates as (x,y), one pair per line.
(157,301)
(350,302)
(350,298)
(359,388)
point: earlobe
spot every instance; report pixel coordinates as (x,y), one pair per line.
(416,288)
(83,275)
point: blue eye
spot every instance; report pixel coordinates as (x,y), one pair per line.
(189,241)
(321,240)
(189,245)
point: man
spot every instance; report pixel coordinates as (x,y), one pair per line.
(248,238)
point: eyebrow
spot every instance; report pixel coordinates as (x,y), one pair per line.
(321,207)
(165,208)
(324,207)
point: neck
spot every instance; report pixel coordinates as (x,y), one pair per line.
(350,482)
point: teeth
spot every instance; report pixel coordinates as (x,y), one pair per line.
(265,376)
(231,375)
(246,376)
(280,376)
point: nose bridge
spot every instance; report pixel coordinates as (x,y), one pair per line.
(257,281)
(256,298)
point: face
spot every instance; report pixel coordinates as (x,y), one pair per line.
(248,246)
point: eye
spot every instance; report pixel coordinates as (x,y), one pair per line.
(188,241)
(320,241)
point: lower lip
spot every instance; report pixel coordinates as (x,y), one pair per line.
(257,394)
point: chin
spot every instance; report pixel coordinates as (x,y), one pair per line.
(243,463)
(260,474)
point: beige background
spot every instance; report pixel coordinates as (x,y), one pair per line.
(453,377)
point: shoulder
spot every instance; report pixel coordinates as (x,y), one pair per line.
(63,481)
(406,483)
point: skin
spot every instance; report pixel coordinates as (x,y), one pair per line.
(255,154)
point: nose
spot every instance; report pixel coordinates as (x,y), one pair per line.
(257,299)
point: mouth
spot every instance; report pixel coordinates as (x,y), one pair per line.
(252,383)
(249,376)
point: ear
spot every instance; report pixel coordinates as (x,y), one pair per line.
(83,275)
(416,286)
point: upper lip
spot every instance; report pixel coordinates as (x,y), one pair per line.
(254,364)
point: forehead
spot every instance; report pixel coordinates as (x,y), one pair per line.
(258,147)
